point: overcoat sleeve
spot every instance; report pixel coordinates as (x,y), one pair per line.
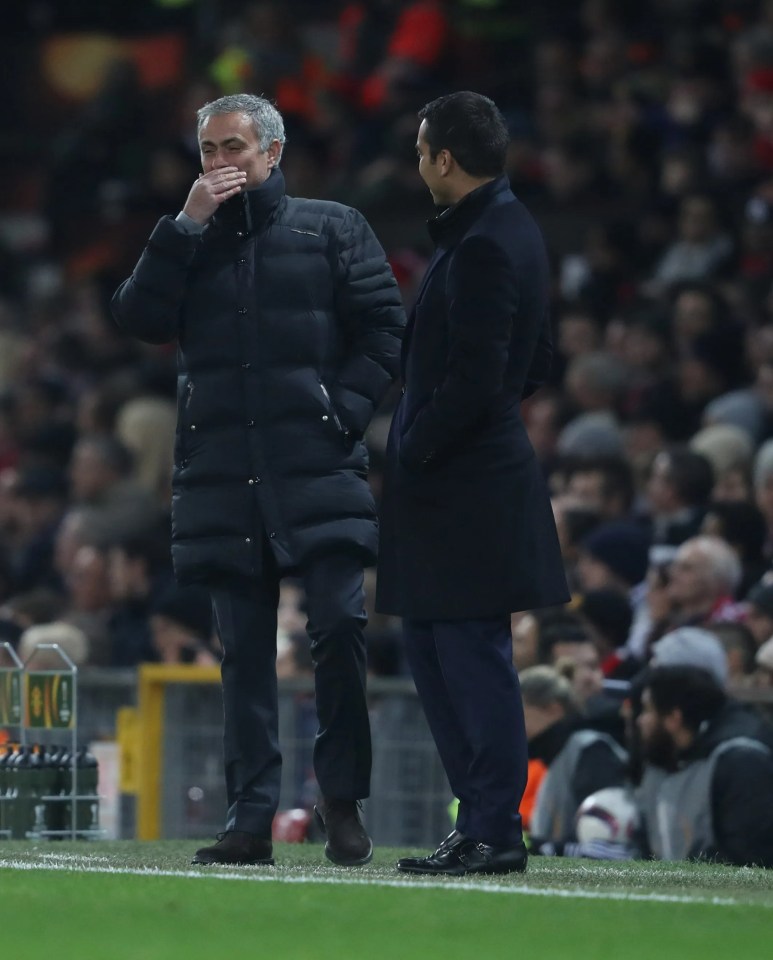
(147,305)
(370,310)
(482,302)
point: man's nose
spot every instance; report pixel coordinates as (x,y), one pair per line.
(219,161)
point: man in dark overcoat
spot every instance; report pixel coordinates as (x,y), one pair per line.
(288,322)
(468,534)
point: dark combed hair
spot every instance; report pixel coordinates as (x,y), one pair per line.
(691,474)
(472,129)
(692,690)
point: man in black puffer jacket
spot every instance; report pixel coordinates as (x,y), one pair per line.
(288,321)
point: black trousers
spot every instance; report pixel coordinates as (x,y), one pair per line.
(246,619)
(468,687)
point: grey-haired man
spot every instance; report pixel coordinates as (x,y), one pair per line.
(288,322)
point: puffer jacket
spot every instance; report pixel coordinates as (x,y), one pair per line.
(288,321)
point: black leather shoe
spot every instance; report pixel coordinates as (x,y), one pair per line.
(237,849)
(466,857)
(348,845)
(410,864)
(484,858)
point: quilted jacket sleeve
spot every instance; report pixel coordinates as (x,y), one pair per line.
(147,305)
(371,311)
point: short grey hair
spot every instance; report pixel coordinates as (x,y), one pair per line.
(722,563)
(542,686)
(265,117)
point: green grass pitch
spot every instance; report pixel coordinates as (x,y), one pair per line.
(126,900)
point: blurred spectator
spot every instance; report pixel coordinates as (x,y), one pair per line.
(729,450)
(146,426)
(181,626)
(40,497)
(603,485)
(613,556)
(693,647)
(607,616)
(759,610)
(101,476)
(678,491)
(72,642)
(702,246)
(742,526)
(89,597)
(740,649)
(764,664)
(578,761)
(140,572)
(708,774)
(702,581)
(763,490)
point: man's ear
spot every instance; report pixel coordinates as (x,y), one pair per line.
(274,151)
(445,162)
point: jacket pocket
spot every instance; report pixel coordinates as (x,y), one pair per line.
(184,423)
(332,413)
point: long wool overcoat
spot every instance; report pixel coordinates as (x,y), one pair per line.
(467,526)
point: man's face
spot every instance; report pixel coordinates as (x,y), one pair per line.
(587,486)
(658,746)
(690,576)
(230,140)
(430,169)
(660,491)
(588,680)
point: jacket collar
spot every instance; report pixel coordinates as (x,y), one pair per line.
(252,209)
(453,222)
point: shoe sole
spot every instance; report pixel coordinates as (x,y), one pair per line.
(431,873)
(349,863)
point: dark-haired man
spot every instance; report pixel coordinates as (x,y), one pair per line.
(708,780)
(467,529)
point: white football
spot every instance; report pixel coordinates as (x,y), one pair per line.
(608,814)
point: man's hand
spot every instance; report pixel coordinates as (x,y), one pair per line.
(212,189)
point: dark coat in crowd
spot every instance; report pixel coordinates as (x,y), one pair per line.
(467,526)
(288,321)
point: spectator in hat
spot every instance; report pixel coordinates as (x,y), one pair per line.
(181,626)
(759,611)
(738,408)
(614,555)
(692,647)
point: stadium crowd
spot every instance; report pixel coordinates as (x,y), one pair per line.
(642,142)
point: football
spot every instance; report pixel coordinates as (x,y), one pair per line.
(609,815)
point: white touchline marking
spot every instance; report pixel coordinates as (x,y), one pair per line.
(85,867)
